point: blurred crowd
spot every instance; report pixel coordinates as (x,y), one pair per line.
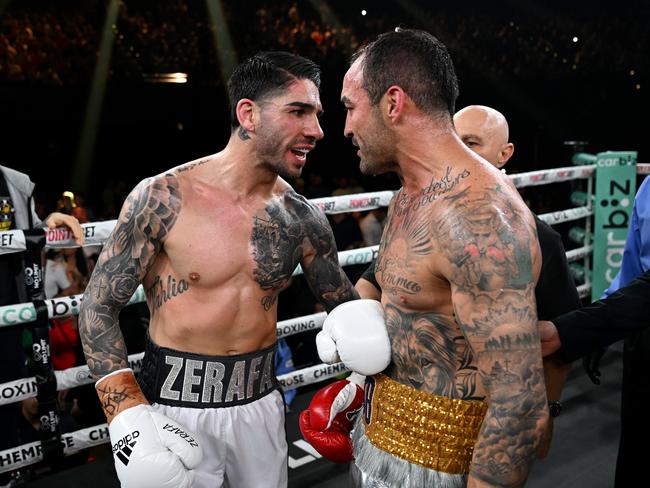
(58,42)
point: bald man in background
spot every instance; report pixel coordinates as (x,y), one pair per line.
(485,131)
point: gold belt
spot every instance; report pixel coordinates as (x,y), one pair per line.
(430,430)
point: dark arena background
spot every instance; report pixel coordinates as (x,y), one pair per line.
(97,95)
(84,107)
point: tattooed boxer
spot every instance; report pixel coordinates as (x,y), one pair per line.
(214,242)
(462,401)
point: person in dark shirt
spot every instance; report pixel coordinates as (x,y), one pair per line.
(602,323)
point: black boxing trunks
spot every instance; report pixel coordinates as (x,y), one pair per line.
(184,379)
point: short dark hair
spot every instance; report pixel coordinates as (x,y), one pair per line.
(415,61)
(266,73)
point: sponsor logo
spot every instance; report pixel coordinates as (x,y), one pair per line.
(41,352)
(123,448)
(64,307)
(49,422)
(25,390)
(34,276)
(295,328)
(364,202)
(326,206)
(174,429)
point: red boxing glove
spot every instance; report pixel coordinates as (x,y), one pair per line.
(328,421)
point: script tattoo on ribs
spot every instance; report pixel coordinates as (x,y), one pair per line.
(148,214)
(159,293)
(280,239)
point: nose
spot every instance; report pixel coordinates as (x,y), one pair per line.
(347,130)
(313,129)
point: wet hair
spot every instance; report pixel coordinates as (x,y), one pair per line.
(266,74)
(415,61)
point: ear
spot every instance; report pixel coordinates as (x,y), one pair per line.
(505,153)
(246,114)
(394,100)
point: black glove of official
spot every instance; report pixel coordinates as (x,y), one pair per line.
(591,364)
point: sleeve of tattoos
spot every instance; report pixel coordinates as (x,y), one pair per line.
(492,256)
(320,263)
(148,214)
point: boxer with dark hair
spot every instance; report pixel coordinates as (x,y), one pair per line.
(463,400)
(214,242)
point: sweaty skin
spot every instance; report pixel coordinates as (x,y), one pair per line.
(175,223)
(485,131)
(457,266)
(463,257)
(213,243)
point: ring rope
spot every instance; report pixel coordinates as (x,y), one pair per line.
(96,234)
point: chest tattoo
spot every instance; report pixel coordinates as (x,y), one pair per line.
(276,251)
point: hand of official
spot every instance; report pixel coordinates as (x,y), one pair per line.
(149,449)
(355,333)
(328,421)
(549,337)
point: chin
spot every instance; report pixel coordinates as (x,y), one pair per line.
(289,175)
(369,168)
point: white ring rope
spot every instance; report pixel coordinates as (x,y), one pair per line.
(97,233)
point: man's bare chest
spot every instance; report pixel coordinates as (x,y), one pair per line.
(262,244)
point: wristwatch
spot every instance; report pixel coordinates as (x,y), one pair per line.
(555,408)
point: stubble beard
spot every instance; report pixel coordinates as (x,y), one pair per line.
(272,157)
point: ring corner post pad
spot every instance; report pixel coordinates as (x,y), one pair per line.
(50,431)
(46,385)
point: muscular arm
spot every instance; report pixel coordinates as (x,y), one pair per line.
(145,219)
(328,282)
(491,250)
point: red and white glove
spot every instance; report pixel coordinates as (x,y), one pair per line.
(328,421)
(150,450)
(355,333)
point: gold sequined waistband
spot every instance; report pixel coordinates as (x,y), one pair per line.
(433,431)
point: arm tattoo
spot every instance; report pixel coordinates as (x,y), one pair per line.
(279,241)
(147,216)
(112,398)
(489,244)
(327,280)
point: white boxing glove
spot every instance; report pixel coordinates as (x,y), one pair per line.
(151,450)
(355,333)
